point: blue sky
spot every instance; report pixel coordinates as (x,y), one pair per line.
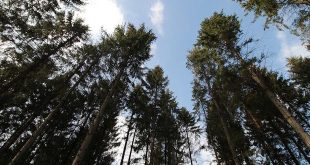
(176,24)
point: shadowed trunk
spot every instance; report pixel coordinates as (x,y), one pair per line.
(131,147)
(98,118)
(227,135)
(127,137)
(189,147)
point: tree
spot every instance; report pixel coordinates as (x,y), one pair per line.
(157,132)
(187,124)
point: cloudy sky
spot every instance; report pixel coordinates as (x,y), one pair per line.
(176,24)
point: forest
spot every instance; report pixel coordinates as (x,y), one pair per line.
(62,96)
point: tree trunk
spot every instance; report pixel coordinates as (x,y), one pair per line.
(165,150)
(276,101)
(227,135)
(189,147)
(289,150)
(16,134)
(219,113)
(70,155)
(131,147)
(146,151)
(301,150)
(301,2)
(98,118)
(127,137)
(176,153)
(50,117)
(153,133)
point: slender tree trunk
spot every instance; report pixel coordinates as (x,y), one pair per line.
(21,76)
(189,147)
(70,155)
(276,101)
(289,150)
(131,147)
(16,134)
(219,113)
(301,150)
(227,135)
(127,137)
(152,155)
(301,2)
(176,153)
(48,119)
(146,151)
(98,118)
(165,151)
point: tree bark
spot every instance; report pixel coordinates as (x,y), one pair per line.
(131,147)
(165,150)
(98,118)
(227,135)
(127,137)
(146,151)
(301,2)
(301,150)
(189,147)
(219,113)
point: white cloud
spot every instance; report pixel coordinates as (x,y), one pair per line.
(105,14)
(289,49)
(157,15)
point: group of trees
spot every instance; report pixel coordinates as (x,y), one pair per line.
(252,115)
(62,97)
(162,132)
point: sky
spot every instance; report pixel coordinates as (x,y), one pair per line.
(176,25)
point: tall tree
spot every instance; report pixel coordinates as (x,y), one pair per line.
(189,128)
(133,52)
